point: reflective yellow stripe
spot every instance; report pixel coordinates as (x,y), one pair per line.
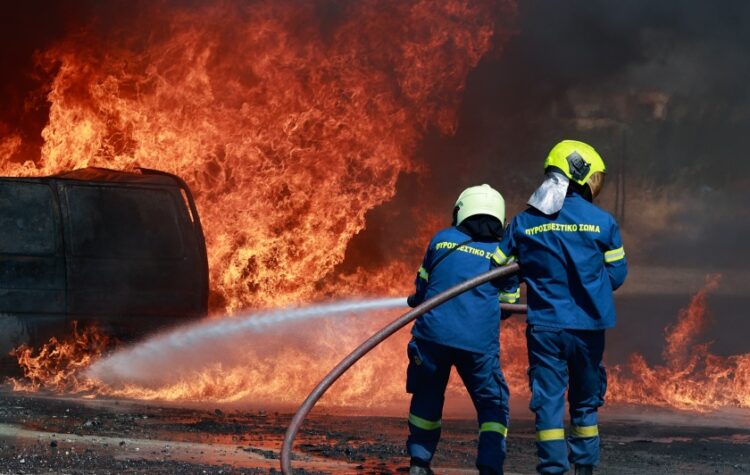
(510,297)
(584,431)
(547,435)
(494,427)
(423,273)
(499,257)
(614,255)
(423,423)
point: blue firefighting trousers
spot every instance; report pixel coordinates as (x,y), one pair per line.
(427,376)
(558,358)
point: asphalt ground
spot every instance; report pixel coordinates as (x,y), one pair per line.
(48,434)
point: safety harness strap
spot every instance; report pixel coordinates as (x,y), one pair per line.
(450,251)
(425,274)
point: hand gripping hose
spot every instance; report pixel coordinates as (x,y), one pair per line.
(375,340)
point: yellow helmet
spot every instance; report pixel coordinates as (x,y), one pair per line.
(481,199)
(577,160)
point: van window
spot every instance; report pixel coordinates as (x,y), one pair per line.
(27,222)
(123,222)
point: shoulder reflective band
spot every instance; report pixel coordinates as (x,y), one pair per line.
(547,435)
(510,297)
(423,423)
(584,431)
(494,427)
(614,254)
(499,256)
(423,273)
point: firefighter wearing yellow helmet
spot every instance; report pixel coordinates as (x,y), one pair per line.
(577,160)
(572,259)
(463,332)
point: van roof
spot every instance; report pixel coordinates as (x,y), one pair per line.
(143,175)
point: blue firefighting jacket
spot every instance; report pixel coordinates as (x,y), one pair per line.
(571,262)
(471,320)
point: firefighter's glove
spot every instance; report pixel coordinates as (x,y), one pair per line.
(412,300)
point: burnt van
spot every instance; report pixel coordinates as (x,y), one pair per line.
(125,251)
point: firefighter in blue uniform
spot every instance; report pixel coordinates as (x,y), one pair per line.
(463,332)
(572,259)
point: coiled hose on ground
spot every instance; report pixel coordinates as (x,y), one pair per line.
(375,340)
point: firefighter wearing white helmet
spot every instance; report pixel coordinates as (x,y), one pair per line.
(481,199)
(463,332)
(572,259)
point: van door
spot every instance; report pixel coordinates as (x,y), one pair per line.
(32,266)
(32,261)
(127,252)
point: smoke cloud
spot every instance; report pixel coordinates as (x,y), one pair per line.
(659,88)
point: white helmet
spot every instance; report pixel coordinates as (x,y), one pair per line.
(480,200)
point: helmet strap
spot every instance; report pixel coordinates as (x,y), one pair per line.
(583,190)
(454,220)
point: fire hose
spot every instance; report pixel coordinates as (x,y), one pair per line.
(375,340)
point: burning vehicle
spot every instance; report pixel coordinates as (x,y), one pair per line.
(124,251)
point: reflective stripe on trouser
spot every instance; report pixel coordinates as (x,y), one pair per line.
(558,358)
(485,383)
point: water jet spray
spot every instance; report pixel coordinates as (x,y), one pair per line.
(130,364)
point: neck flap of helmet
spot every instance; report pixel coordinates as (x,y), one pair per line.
(550,195)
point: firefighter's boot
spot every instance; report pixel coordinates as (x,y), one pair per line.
(485,470)
(419,467)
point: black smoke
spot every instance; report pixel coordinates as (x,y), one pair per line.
(25,29)
(658,87)
(661,90)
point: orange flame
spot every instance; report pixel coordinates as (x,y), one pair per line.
(58,364)
(288,131)
(691,378)
(288,125)
(691,322)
